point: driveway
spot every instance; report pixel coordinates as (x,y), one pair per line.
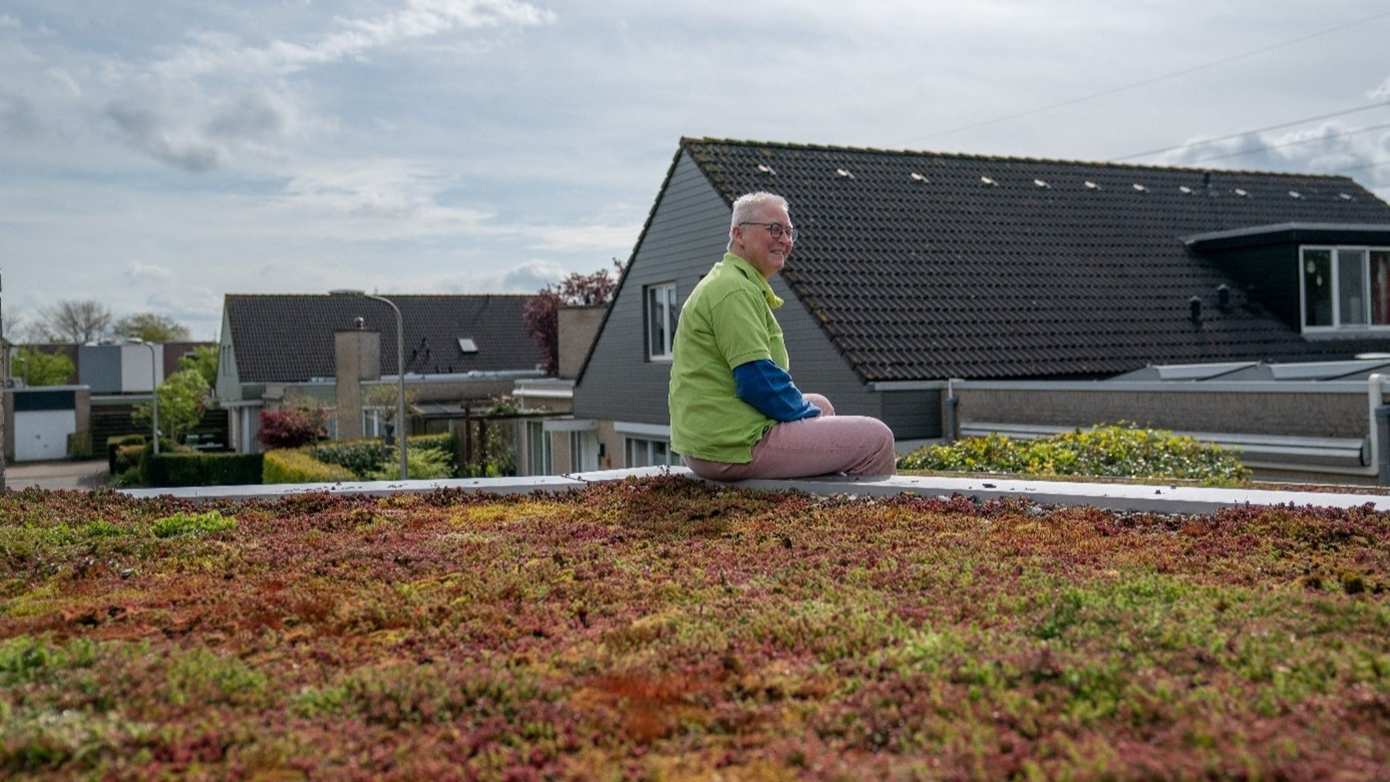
(56,475)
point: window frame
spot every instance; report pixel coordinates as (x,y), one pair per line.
(671,308)
(539,458)
(1334,288)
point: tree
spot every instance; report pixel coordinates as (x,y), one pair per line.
(542,314)
(151,328)
(203,360)
(76,322)
(37,368)
(183,397)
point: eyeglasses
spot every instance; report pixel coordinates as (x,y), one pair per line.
(777,230)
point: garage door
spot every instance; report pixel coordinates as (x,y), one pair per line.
(43,434)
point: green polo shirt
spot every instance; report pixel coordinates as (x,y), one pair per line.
(726,321)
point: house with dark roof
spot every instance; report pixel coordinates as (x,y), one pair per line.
(914,268)
(278,349)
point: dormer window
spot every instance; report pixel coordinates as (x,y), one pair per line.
(1344,288)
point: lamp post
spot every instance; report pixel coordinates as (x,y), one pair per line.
(154,391)
(400,369)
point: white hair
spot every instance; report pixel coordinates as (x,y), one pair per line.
(748,204)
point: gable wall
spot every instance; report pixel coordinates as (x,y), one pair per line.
(688,234)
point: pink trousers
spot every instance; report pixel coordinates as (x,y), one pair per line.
(824,445)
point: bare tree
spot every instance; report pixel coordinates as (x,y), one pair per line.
(77,322)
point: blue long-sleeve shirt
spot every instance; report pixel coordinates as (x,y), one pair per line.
(769,389)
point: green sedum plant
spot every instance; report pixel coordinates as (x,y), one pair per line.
(1114,450)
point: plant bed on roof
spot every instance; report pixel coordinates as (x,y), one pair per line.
(668,629)
(1110,451)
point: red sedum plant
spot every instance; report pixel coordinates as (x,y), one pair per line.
(664,629)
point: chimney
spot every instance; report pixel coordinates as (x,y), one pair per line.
(356,357)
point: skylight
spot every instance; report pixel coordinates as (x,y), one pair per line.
(988,181)
(467,345)
(844,173)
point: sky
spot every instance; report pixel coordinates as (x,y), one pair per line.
(157,155)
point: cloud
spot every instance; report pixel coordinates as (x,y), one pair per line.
(146,130)
(419,19)
(1328,148)
(531,276)
(604,238)
(18,119)
(8,22)
(147,272)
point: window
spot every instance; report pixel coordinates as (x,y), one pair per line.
(537,449)
(642,452)
(583,451)
(661,320)
(1345,287)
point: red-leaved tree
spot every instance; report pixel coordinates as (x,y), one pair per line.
(542,314)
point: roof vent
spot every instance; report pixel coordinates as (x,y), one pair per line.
(359,323)
(1194,309)
(1344,196)
(1092,185)
(1295,194)
(988,181)
(1140,188)
(916,177)
(1185,190)
(1042,184)
(1223,296)
(844,173)
(1242,193)
(766,169)
(467,345)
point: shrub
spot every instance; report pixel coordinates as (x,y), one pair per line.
(362,457)
(113,446)
(128,457)
(80,445)
(1116,450)
(291,427)
(420,464)
(203,469)
(297,466)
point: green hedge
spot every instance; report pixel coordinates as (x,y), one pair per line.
(420,464)
(1116,450)
(361,457)
(295,465)
(113,447)
(201,469)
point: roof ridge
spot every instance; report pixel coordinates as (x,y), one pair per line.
(689,141)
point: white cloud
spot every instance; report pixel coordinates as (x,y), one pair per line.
(214,52)
(8,22)
(147,272)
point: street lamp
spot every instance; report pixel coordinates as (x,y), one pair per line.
(154,391)
(400,369)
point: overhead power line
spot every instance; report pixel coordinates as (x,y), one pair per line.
(1289,124)
(1267,147)
(1158,78)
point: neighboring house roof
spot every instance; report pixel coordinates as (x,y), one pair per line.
(926,265)
(288,338)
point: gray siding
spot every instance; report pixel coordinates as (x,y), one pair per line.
(99,367)
(688,234)
(912,415)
